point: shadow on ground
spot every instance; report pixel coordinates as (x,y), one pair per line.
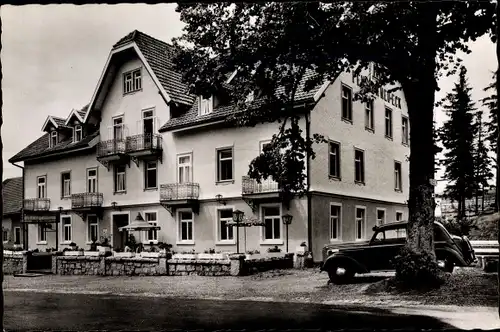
(42,311)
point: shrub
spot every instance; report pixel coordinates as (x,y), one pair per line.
(275,249)
(417,270)
(209,251)
(487,227)
(460,226)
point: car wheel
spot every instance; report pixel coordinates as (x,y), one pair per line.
(340,273)
(446,264)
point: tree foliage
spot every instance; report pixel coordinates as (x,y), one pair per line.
(490,103)
(274,46)
(482,159)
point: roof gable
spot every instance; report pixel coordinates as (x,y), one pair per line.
(53,120)
(12,195)
(74,114)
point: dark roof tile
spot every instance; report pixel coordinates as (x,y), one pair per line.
(12,195)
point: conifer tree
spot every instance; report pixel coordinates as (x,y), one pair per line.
(457,138)
(482,161)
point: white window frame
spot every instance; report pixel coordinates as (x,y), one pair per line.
(115,179)
(388,122)
(205,106)
(219,160)
(184,166)
(63,229)
(339,222)
(146,239)
(402,215)
(218,226)
(363,230)
(338,161)
(78,129)
(5,231)
(398,177)
(405,133)
(133,82)
(362,166)
(263,240)
(41,229)
(43,185)
(119,125)
(93,178)
(63,185)
(147,168)
(369,116)
(350,104)
(378,220)
(96,223)
(180,241)
(53,135)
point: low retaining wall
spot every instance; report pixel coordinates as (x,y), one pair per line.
(14,263)
(178,267)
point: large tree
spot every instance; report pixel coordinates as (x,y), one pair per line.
(482,161)
(491,125)
(457,137)
(277,44)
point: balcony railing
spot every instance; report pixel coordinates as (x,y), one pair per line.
(144,142)
(86,200)
(179,191)
(37,204)
(111,147)
(251,186)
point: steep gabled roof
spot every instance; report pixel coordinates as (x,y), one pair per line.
(56,121)
(79,114)
(40,147)
(12,195)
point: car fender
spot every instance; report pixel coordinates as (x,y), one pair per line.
(339,257)
(458,259)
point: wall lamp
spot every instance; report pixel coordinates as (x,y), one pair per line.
(114,204)
(219,199)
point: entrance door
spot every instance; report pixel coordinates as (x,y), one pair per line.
(119,238)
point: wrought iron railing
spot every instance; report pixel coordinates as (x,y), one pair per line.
(173,191)
(251,186)
(85,200)
(144,142)
(37,204)
(111,147)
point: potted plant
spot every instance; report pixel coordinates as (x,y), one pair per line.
(73,250)
(274,252)
(103,245)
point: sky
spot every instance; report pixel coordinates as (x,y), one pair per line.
(53,55)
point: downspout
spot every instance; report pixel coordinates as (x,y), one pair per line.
(24,228)
(308,184)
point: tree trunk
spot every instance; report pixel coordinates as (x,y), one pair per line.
(482,199)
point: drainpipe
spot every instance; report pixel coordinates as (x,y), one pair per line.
(308,184)
(24,228)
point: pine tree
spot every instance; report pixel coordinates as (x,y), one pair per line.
(482,161)
(492,125)
(457,137)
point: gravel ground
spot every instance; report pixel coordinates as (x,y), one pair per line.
(466,287)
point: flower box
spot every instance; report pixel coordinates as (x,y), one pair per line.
(185,256)
(91,253)
(254,256)
(150,254)
(123,254)
(73,253)
(104,248)
(213,256)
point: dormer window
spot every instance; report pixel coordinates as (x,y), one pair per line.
(78,133)
(132,81)
(53,138)
(206,105)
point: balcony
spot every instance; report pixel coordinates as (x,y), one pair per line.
(112,151)
(36,204)
(177,195)
(144,146)
(254,193)
(85,203)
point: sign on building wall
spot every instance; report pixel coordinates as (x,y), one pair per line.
(383,93)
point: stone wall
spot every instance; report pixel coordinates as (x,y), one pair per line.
(78,265)
(138,266)
(177,267)
(14,264)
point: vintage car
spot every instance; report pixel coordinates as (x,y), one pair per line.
(343,260)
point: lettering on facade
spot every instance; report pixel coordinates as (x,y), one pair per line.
(383,93)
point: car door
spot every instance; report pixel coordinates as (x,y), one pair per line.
(389,248)
(373,254)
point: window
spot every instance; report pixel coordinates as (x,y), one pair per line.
(398,233)
(132,81)
(150,174)
(380,217)
(360,223)
(397,176)
(42,233)
(93,228)
(335,221)
(225,164)
(346,103)
(120,178)
(5,235)
(186,225)
(53,139)
(92,180)
(184,168)
(404,129)
(66,184)
(225,231)
(78,133)
(118,128)
(359,166)
(17,235)
(334,160)
(66,227)
(42,189)
(369,115)
(272,221)
(399,216)
(205,105)
(388,122)
(152,234)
